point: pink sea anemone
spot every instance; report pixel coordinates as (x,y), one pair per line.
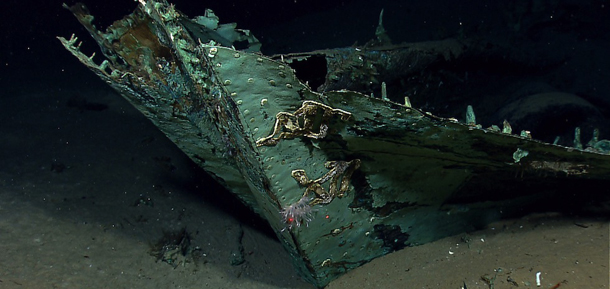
(298,213)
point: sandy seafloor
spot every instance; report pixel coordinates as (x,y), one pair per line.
(84,193)
(87,184)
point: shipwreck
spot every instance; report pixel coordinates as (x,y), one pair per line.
(341,175)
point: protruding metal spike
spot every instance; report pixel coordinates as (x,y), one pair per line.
(471,119)
(384,91)
(104,65)
(506,128)
(408,102)
(577,143)
(72,39)
(594,139)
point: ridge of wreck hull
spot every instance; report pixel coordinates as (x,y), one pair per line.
(340,176)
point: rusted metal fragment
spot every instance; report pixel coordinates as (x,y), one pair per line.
(310,120)
(339,175)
